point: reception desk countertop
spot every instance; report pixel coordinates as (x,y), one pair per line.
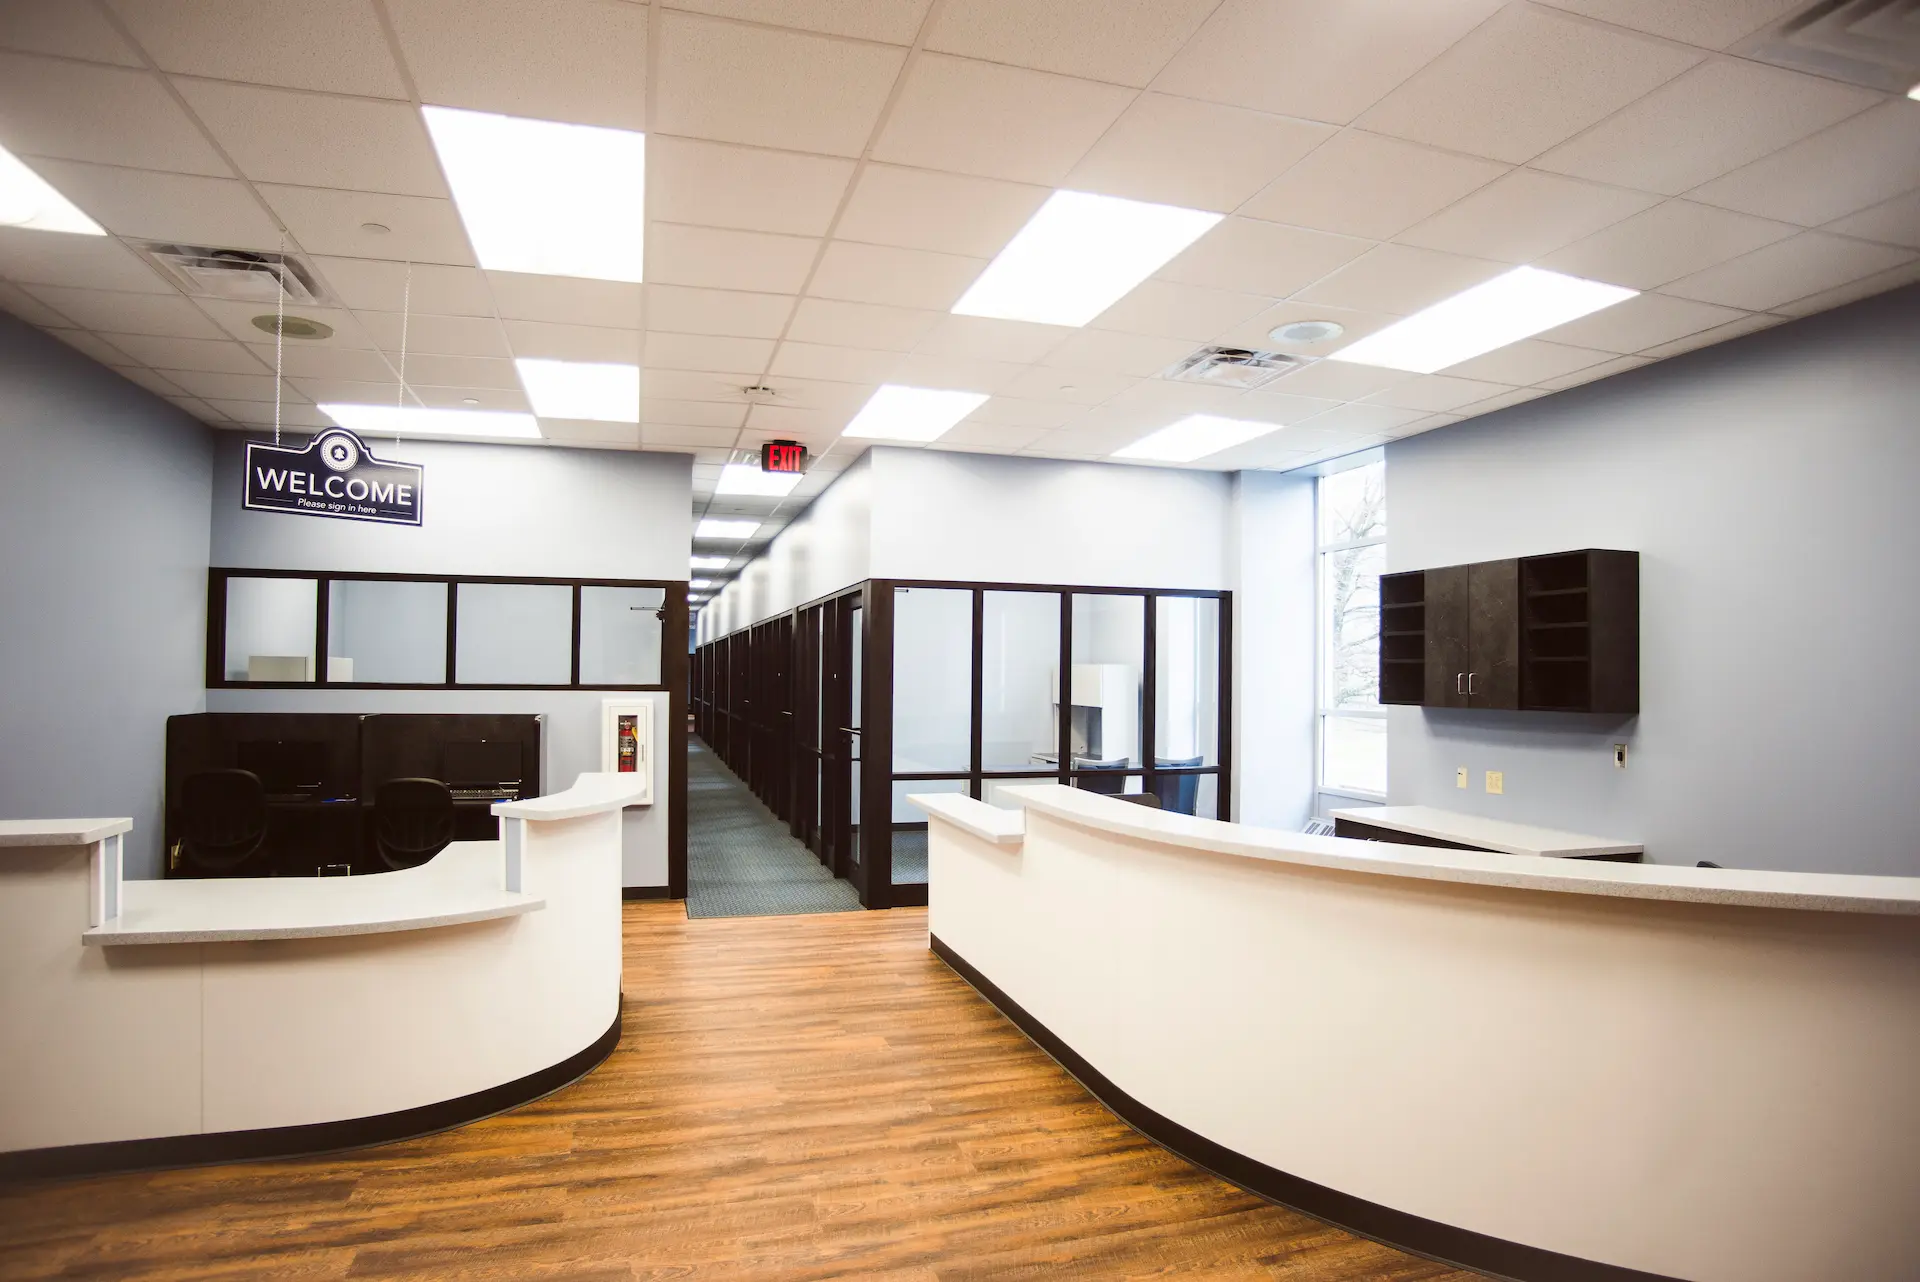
(1489,834)
(60,832)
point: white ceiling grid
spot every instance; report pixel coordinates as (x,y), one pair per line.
(826,177)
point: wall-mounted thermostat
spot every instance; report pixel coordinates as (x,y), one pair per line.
(626,740)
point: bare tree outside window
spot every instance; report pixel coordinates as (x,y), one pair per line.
(1353,530)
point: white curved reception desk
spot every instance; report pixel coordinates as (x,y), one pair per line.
(1539,1068)
(155,1023)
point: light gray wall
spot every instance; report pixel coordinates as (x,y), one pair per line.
(1769,485)
(1271,553)
(490,509)
(827,547)
(103,577)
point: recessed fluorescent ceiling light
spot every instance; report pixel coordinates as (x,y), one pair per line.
(1506,309)
(1195,437)
(1079,256)
(702,583)
(747,478)
(896,413)
(715,528)
(412,420)
(545,197)
(28,200)
(711,562)
(582,389)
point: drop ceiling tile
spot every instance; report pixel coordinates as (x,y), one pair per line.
(1807,264)
(1718,334)
(1010,411)
(330,390)
(1895,222)
(869,325)
(672,435)
(1671,240)
(1257,333)
(113,115)
(1166,309)
(565,299)
(1155,402)
(1267,406)
(151,205)
(435,335)
(996,122)
(199,409)
(706,352)
(1123,42)
(1364,419)
(691,385)
(1369,185)
(791,421)
(541,340)
(228,387)
(1435,393)
(99,349)
(591,434)
(948,213)
(419,229)
(1338,381)
(736,83)
(958,373)
(1528,79)
(1528,362)
(859,273)
(223,356)
(715,258)
(24,306)
(429,370)
(1313,60)
(335,45)
(106,311)
(989,339)
(1866,287)
(1198,155)
(376,285)
(711,184)
(316,139)
(677,309)
(1594,373)
(1073,387)
(838,364)
(1505,400)
(158,384)
(1518,218)
(704,414)
(1711,24)
(1400,280)
(307,360)
(1843,169)
(237,320)
(576,60)
(1140,355)
(889,21)
(65,30)
(260,414)
(1255,257)
(1713,119)
(83,262)
(1643,321)
(989,437)
(465,396)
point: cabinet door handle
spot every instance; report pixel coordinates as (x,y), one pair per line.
(1470,682)
(1459,686)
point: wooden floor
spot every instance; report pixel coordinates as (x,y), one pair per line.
(793,1098)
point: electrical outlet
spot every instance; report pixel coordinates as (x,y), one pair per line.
(1460,777)
(1620,755)
(1496,782)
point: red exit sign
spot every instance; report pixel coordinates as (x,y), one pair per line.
(783,456)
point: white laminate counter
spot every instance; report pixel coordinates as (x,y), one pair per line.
(60,832)
(1489,834)
(591,794)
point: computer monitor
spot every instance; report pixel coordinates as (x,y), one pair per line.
(285,766)
(481,763)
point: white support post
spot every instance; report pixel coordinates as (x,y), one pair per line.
(106,870)
(514,833)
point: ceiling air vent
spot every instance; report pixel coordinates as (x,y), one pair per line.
(1875,43)
(1232,367)
(239,274)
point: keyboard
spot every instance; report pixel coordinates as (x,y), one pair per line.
(485,794)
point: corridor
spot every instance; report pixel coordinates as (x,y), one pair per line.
(741,861)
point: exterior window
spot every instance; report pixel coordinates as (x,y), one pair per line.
(1352,509)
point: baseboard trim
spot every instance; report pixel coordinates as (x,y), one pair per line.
(163,1152)
(1461,1247)
(648,892)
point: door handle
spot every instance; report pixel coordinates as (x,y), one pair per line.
(1470,677)
(849,729)
(1459,683)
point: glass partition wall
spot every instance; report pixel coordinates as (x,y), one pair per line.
(902,687)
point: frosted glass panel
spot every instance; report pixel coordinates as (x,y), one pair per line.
(270,625)
(1186,682)
(514,634)
(932,679)
(1109,641)
(620,635)
(1020,648)
(392,633)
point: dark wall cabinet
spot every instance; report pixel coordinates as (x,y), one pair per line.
(1557,633)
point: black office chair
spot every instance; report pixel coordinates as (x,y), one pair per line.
(223,820)
(412,821)
(1178,793)
(1146,799)
(1112,784)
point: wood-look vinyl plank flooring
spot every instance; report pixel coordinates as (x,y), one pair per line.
(794,1098)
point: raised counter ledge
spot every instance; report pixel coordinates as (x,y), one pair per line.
(989,823)
(592,793)
(60,832)
(460,884)
(1490,834)
(1826,892)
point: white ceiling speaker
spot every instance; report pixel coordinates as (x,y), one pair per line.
(1310,331)
(293,327)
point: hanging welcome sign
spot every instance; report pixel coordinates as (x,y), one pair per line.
(335,475)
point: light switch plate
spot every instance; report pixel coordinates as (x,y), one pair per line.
(1460,777)
(1496,781)
(1620,755)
